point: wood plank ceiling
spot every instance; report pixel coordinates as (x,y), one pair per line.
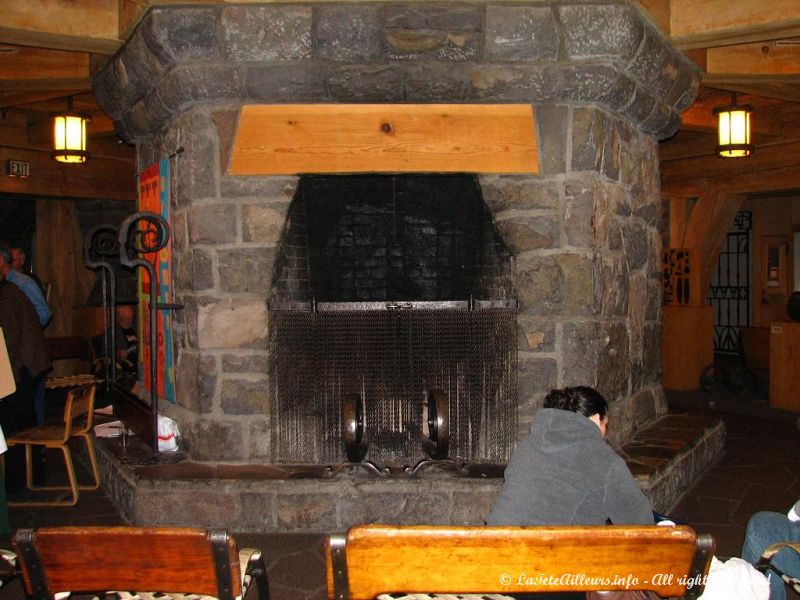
(49,47)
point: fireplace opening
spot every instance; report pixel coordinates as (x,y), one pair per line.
(392,324)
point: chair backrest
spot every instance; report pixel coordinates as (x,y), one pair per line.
(79,410)
(378,559)
(95,559)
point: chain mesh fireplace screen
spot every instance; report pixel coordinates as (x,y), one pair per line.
(391,355)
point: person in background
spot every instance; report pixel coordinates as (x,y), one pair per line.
(765,529)
(34,293)
(127,344)
(18,258)
(30,361)
(26,284)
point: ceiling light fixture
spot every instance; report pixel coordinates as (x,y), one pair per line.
(733,130)
(69,136)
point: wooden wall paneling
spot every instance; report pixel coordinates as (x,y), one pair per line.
(397,138)
(59,252)
(784,368)
(687,345)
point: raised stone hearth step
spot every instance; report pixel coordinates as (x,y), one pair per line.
(666,458)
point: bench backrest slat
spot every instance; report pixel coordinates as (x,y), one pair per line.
(459,560)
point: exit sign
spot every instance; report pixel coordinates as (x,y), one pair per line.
(18,168)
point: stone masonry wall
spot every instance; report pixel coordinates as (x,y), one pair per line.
(583,232)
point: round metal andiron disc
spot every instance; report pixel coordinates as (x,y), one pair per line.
(438,425)
(353,422)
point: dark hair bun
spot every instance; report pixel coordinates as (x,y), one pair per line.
(580,399)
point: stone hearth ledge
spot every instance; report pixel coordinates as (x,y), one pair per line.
(604,54)
(665,458)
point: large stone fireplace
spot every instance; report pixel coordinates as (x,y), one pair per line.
(580,238)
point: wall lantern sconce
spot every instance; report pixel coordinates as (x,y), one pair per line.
(69,136)
(733,130)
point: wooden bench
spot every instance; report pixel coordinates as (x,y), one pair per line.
(371,560)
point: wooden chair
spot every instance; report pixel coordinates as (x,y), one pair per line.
(146,561)
(372,560)
(78,421)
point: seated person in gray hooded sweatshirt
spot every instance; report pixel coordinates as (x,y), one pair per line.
(563,472)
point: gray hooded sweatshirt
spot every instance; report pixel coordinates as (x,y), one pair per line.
(563,473)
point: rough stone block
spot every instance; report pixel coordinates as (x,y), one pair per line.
(256,512)
(552,123)
(540,284)
(225,122)
(185,85)
(186,381)
(614,286)
(246,270)
(106,88)
(265,33)
(176,507)
(212,224)
(366,83)
(651,58)
(581,291)
(522,233)
(636,245)
(520,33)
(434,82)
(584,83)
(207,375)
(472,507)
(515,192)
(194,271)
(614,366)
(580,196)
(403,508)
(536,334)
(600,31)
(260,439)
(644,408)
(641,105)
(580,350)
(588,139)
(270,189)
(216,440)
(245,363)
(263,223)
(620,95)
(348,32)
(197,177)
(286,83)
(244,397)
(141,65)
(232,324)
(514,83)
(305,512)
(429,44)
(452,16)
(185,33)
(535,375)
(652,311)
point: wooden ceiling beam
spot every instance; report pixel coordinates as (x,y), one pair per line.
(21,62)
(25,98)
(700,117)
(774,58)
(38,85)
(709,23)
(63,25)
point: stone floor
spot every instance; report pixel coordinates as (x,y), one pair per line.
(760,470)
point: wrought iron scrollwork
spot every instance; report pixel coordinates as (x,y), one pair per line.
(100,245)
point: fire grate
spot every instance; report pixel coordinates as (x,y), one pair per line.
(392,355)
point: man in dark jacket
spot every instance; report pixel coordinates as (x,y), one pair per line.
(563,472)
(30,362)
